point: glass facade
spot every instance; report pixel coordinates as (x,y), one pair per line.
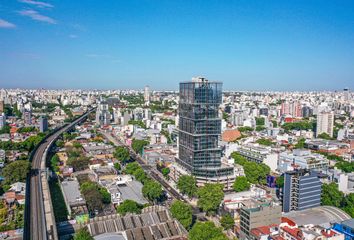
(200,128)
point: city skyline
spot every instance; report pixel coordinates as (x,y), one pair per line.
(125,45)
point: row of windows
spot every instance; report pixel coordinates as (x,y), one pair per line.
(200,111)
(200,127)
(205,92)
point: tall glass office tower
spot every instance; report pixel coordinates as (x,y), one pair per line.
(200,128)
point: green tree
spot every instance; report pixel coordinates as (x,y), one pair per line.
(152,190)
(265,141)
(137,123)
(16,171)
(255,173)
(187,184)
(260,121)
(122,154)
(300,143)
(331,195)
(129,206)
(79,164)
(83,234)
(210,197)
(130,168)
(227,221)
(182,212)
(260,128)
(138,145)
(245,129)
(5,129)
(206,231)
(280,181)
(241,184)
(54,162)
(117,166)
(348,204)
(324,136)
(106,196)
(275,124)
(238,158)
(140,175)
(60,143)
(165,172)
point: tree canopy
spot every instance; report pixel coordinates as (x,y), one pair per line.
(16,171)
(241,184)
(152,190)
(227,221)
(187,184)
(182,212)
(129,206)
(331,195)
(210,197)
(138,145)
(206,231)
(255,172)
(83,234)
(122,154)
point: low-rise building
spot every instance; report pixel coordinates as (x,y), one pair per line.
(257,215)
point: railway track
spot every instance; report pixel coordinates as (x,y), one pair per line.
(35,217)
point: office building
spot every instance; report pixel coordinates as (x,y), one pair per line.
(200,130)
(346,94)
(302,190)
(147,95)
(261,214)
(263,111)
(103,116)
(307,111)
(27,116)
(325,121)
(43,124)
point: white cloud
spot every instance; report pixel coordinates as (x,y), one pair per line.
(73,36)
(37,3)
(6,24)
(36,16)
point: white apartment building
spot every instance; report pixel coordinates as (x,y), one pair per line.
(325,121)
(303,159)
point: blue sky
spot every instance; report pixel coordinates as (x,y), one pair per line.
(120,44)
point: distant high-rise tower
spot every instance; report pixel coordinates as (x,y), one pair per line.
(43,124)
(147,95)
(200,130)
(346,94)
(2,120)
(27,116)
(325,121)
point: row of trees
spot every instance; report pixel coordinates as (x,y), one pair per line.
(333,197)
(345,166)
(209,196)
(255,172)
(28,145)
(138,145)
(301,125)
(265,142)
(199,231)
(152,190)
